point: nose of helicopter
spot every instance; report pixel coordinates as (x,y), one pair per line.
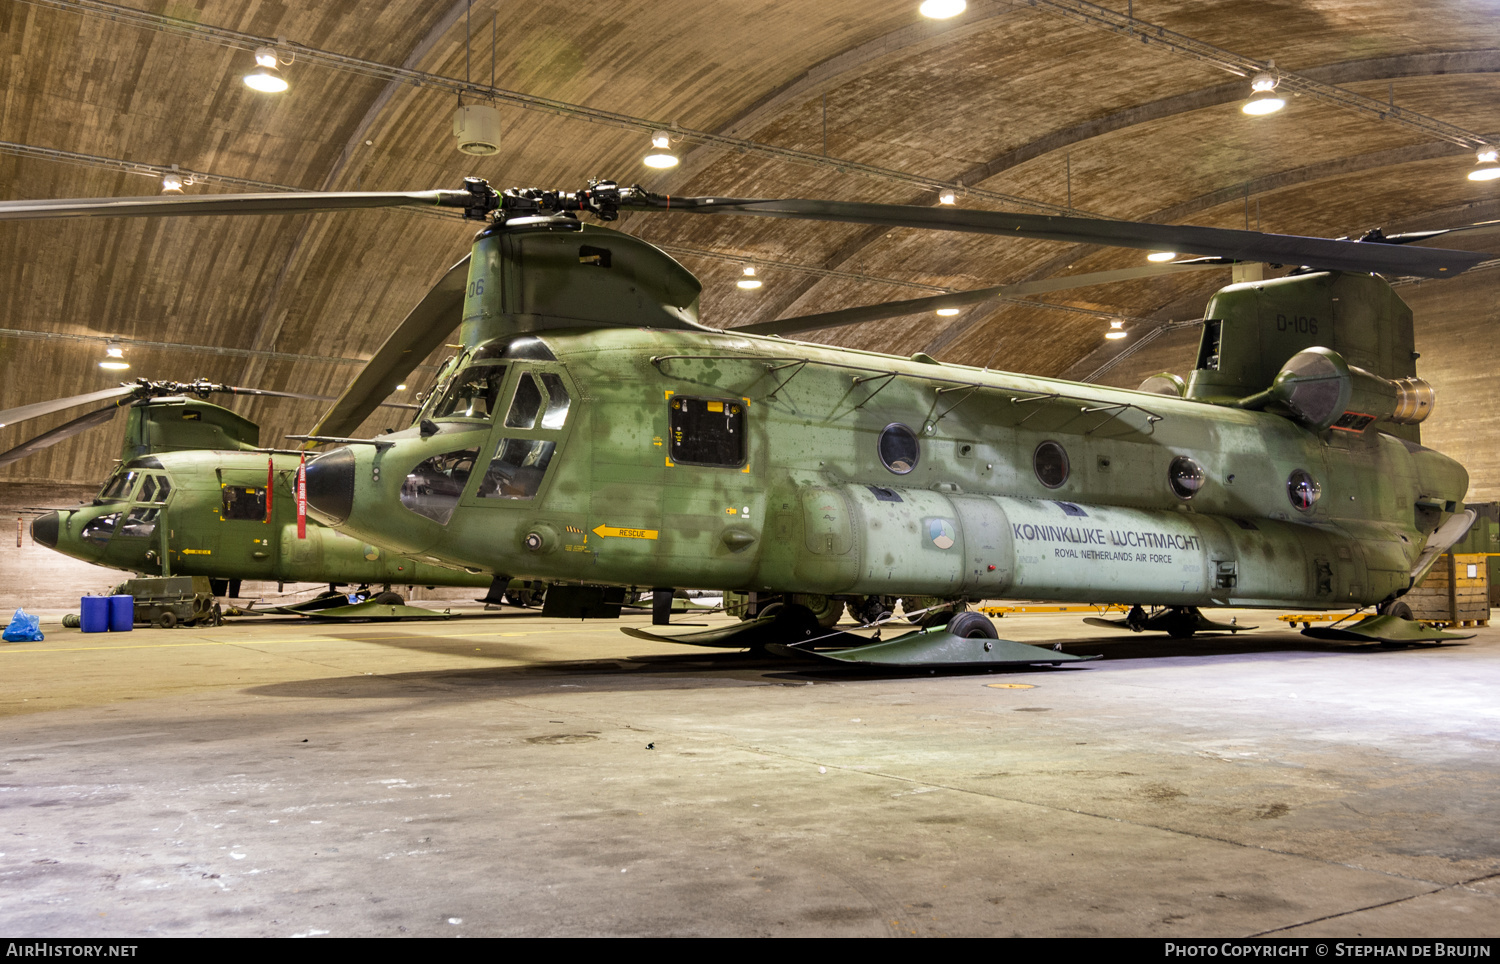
(330,485)
(44,529)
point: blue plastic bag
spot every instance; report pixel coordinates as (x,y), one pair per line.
(23,628)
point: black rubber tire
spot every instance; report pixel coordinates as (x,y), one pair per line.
(1181,632)
(389,599)
(797,622)
(969,625)
(167,620)
(1397,608)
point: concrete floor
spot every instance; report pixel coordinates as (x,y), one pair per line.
(521,776)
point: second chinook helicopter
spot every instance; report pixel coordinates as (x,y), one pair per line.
(195,495)
(592,433)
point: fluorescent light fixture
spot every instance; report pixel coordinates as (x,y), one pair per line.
(401,388)
(1161,256)
(941,9)
(947,312)
(1488,167)
(749,281)
(265,78)
(661,156)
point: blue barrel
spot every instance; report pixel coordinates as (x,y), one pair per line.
(93,614)
(121,613)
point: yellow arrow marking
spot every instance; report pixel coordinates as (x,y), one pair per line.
(616,531)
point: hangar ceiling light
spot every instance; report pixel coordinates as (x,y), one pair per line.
(1263,99)
(1488,167)
(1116,330)
(114,358)
(941,9)
(265,77)
(749,281)
(661,156)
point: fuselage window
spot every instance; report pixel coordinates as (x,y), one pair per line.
(148,490)
(517,469)
(1050,461)
(100,528)
(163,489)
(707,431)
(526,404)
(473,394)
(1185,476)
(140,523)
(432,488)
(1303,490)
(899,448)
(243,502)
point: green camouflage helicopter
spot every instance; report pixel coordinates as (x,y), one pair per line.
(593,434)
(195,495)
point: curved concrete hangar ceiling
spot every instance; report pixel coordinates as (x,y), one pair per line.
(1126,111)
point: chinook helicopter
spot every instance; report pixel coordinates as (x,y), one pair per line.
(194,494)
(594,434)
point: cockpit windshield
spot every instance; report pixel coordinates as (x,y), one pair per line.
(474,393)
(117,487)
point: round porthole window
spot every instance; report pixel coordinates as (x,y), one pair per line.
(1303,490)
(1185,476)
(899,448)
(1051,464)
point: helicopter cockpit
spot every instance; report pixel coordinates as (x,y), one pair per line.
(142,490)
(495,378)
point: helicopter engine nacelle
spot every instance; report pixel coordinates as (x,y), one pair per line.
(1325,391)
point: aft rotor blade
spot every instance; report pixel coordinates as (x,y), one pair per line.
(14,416)
(1323,253)
(424,329)
(959,299)
(65,431)
(291,203)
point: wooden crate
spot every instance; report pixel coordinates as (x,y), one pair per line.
(1450,595)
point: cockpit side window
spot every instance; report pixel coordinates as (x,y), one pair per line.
(100,528)
(558,401)
(474,393)
(528,400)
(140,523)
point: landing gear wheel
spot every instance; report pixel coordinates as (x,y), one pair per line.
(389,599)
(796,623)
(871,609)
(1397,608)
(972,626)
(1182,623)
(526,596)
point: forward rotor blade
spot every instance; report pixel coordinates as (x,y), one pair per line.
(14,416)
(65,431)
(1324,253)
(424,329)
(959,299)
(298,203)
